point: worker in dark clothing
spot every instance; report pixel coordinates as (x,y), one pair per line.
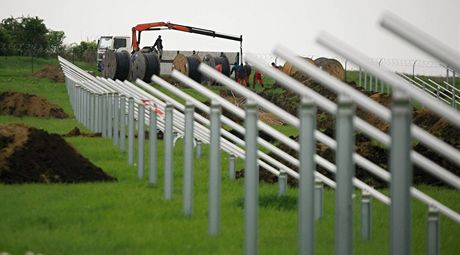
(159,45)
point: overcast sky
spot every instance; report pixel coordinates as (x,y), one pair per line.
(263,24)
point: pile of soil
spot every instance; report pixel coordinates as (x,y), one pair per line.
(23,104)
(30,155)
(52,72)
(77,132)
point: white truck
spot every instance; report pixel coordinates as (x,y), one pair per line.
(114,43)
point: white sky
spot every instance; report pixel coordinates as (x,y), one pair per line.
(263,24)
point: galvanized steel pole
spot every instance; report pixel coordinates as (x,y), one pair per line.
(188,160)
(232,167)
(140,140)
(153,143)
(214,170)
(344,176)
(434,241)
(122,122)
(130,131)
(251,180)
(307,150)
(116,119)
(282,183)
(318,199)
(168,151)
(110,115)
(366,215)
(199,149)
(401,174)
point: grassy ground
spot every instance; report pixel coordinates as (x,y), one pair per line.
(131,217)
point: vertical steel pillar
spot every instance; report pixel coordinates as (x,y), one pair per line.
(282,183)
(344,176)
(169,152)
(366,215)
(187,201)
(306,205)
(140,140)
(251,180)
(110,115)
(122,123)
(434,241)
(318,199)
(116,118)
(401,174)
(232,167)
(199,149)
(153,143)
(130,131)
(214,170)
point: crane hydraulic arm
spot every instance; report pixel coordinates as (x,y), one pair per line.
(136,37)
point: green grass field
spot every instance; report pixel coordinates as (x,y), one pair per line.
(131,217)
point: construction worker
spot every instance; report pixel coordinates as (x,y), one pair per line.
(159,45)
(257,79)
(240,75)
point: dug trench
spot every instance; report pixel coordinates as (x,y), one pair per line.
(368,148)
(30,155)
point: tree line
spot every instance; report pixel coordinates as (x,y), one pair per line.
(29,36)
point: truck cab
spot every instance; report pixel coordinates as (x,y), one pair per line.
(111,43)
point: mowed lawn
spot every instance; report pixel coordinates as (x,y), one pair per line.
(131,217)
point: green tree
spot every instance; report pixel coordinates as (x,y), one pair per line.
(56,41)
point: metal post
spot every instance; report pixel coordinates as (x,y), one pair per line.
(318,199)
(344,176)
(359,77)
(282,182)
(104,114)
(454,105)
(97,113)
(365,81)
(366,215)
(307,150)
(116,119)
(214,170)
(251,180)
(92,114)
(434,241)
(140,140)
(153,168)
(401,174)
(110,115)
(371,85)
(77,104)
(199,149)
(122,122)
(168,151)
(188,161)
(232,167)
(130,131)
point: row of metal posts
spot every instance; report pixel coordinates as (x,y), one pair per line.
(371,83)
(105,106)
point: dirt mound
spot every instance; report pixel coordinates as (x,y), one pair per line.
(30,155)
(77,132)
(51,72)
(23,104)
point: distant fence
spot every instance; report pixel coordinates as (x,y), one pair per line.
(114,107)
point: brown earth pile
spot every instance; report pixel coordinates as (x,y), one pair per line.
(31,155)
(51,72)
(77,132)
(23,104)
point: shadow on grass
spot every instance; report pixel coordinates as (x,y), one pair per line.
(273,201)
